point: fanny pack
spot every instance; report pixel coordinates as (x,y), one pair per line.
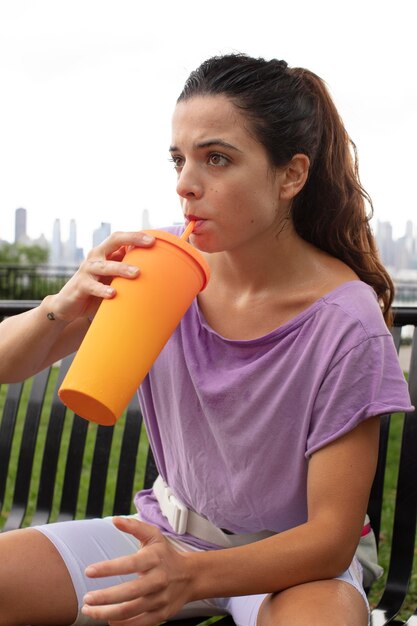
(367,555)
(183,520)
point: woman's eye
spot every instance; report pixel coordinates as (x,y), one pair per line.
(177,161)
(218,159)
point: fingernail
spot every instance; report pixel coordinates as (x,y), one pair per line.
(132,270)
(110,291)
(90,571)
(147,238)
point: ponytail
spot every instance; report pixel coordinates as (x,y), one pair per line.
(330,211)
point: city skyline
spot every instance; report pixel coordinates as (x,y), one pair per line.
(62,242)
(397,252)
(142,219)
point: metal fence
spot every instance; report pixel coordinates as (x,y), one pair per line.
(32,282)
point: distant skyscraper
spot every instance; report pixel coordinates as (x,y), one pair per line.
(101,233)
(56,245)
(72,243)
(146,224)
(409,229)
(385,242)
(20,235)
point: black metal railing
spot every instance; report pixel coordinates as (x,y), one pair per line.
(32,282)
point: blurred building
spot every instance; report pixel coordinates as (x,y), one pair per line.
(101,233)
(65,251)
(20,226)
(397,254)
(146,223)
(386,243)
(56,244)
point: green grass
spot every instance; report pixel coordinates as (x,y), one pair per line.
(389,489)
(89,449)
(391,475)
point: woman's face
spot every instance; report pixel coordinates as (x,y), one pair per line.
(225,181)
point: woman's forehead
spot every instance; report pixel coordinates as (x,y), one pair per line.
(200,116)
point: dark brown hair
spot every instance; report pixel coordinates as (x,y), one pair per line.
(291,111)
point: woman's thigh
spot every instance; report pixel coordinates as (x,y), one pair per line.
(35,586)
(83,542)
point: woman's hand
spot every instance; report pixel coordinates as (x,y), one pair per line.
(160,589)
(82,294)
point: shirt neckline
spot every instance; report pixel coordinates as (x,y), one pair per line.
(288,326)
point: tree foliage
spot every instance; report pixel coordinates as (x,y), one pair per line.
(21,254)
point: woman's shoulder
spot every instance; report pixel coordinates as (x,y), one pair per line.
(357,303)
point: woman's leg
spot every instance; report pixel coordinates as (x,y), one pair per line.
(319,603)
(322,603)
(42,577)
(35,586)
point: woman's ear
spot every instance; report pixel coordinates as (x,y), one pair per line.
(295,176)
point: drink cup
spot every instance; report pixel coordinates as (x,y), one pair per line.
(129,331)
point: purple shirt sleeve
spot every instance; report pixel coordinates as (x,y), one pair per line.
(365,382)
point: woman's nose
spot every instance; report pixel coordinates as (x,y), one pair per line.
(188,183)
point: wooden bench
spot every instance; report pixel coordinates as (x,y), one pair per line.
(57,466)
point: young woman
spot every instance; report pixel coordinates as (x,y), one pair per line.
(262,409)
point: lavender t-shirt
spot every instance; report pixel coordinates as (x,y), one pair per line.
(233,423)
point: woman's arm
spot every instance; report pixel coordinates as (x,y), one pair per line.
(339,480)
(340,477)
(31,341)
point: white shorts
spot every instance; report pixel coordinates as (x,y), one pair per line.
(83,542)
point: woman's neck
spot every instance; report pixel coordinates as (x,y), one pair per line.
(279,261)
(251,293)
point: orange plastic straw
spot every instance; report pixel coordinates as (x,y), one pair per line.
(187,232)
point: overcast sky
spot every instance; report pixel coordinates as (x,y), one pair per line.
(87,89)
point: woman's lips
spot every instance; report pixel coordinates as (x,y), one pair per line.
(198,222)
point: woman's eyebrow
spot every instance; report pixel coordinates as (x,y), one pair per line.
(209,143)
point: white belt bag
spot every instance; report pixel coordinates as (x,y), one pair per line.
(183,520)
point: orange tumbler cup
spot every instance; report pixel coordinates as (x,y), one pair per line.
(130,330)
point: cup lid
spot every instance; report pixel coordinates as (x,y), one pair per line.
(187,248)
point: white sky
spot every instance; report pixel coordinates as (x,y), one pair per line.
(87,89)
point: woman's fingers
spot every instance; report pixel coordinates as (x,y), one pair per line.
(106,260)
(102,267)
(81,295)
(119,240)
(128,614)
(146,594)
(158,590)
(140,587)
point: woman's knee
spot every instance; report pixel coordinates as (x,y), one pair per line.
(317,603)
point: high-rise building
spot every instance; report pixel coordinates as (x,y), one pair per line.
(20,235)
(101,233)
(146,224)
(56,244)
(72,244)
(385,243)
